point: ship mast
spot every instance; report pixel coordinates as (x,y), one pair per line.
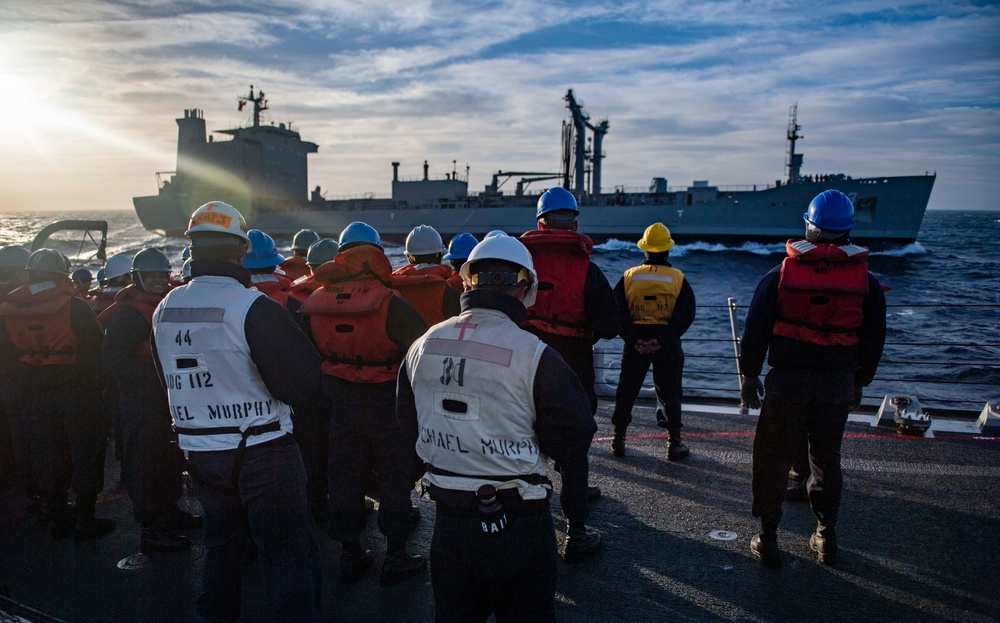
(259,104)
(794,160)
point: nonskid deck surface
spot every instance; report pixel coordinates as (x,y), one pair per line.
(918,534)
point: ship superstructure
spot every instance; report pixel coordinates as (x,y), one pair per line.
(263,172)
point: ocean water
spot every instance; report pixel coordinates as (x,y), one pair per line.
(943,341)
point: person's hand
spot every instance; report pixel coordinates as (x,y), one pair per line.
(858,395)
(751,391)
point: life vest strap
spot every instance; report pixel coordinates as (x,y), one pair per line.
(531,479)
(359,362)
(250,431)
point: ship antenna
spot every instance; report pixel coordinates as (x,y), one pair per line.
(794,162)
(259,104)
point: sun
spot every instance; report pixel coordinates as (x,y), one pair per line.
(24,111)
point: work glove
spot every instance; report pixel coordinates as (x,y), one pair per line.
(751,391)
(858,394)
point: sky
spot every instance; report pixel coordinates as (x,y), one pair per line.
(693,90)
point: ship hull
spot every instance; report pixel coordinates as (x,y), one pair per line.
(889,212)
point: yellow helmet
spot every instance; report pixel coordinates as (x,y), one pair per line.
(656,239)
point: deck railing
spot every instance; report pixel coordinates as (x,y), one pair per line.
(711,372)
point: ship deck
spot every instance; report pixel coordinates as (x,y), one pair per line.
(918,533)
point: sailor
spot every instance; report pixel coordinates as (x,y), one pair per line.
(363,327)
(151,460)
(319,253)
(486,405)
(575,305)
(50,348)
(235,364)
(819,318)
(116,277)
(186,271)
(424,281)
(178,279)
(458,252)
(261,261)
(656,304)
(13,429)
(296,266)
(82,278)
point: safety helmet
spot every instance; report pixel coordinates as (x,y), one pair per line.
(218,217)
(186,253)
(556,198)
(81,274)
(102,278)
(359,233)
(264,253)
(150,260)
(304,239)
(461,246)
(321,252)
(505,248)
(831,210)
(117,266)
(14,257)
(494,233)
(423,240)
(656,239)
(186,270)
(48,260)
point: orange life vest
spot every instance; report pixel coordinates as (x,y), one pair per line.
(295,267)
(302,287)
(562,259)
(101,299)
(144,303)
(820,293)
(423,288)
(37,318)
(348,316)
(276,290)
(456,281)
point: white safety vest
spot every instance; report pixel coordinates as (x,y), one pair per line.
(473,381)
(213,386)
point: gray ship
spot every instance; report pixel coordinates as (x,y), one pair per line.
(263,171)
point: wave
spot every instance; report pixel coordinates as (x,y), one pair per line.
(914,248)
(756,248)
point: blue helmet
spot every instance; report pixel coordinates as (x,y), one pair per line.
(556,198)
(14,257)
(186,254)
(831,210)
(263,253)
(359,233)
(304,239)
(83,273)
(461,246)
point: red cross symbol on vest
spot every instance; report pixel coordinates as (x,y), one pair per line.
(465,324)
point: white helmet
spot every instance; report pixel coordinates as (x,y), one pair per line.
(503,247)
(219,217)
(424,240)
(117,266)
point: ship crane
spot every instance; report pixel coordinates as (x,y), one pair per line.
(259,104)
(575,148)
(495,186)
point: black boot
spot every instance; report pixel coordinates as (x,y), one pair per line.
(675,449)
(581,542)
(399,565)
(618,442)
(824,543)
(87,525)
(764,546)
(354,562)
